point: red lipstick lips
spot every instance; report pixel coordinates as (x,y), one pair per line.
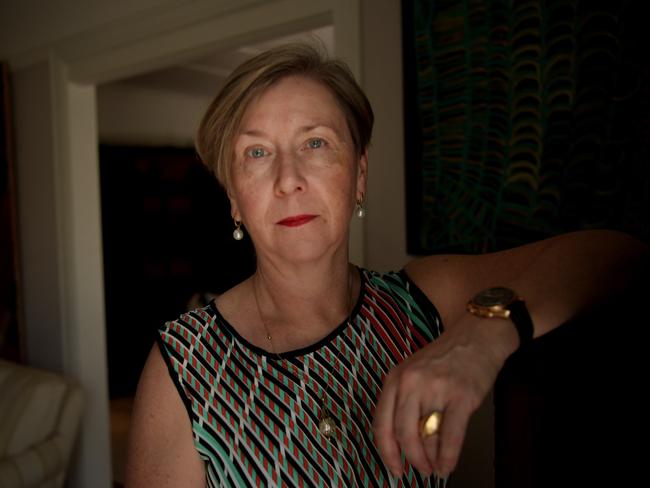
(296,220)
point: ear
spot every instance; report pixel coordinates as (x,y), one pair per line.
(362,174)
(234,208)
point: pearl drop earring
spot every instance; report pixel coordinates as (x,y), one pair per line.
(237,234)
(359,211)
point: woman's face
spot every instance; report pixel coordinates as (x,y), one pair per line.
(295,177)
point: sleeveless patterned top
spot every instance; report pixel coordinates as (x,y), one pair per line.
(255,417)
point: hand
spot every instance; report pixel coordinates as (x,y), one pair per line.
(453,375)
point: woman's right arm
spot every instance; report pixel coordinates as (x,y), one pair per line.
(161,449)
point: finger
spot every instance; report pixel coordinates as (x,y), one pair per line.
(384,431)
(452,434)
(407,430)
(430,445)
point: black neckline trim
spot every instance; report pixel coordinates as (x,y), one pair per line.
(303,351)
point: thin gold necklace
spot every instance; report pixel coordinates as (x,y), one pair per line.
(326,421)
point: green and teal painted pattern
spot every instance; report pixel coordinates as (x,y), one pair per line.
(533,120)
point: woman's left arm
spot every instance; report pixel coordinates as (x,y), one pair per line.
(558,278)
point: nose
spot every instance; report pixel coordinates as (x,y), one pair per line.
(289,176)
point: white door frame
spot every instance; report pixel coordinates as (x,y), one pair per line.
(76,66)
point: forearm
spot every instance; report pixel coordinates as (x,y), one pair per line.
(559,278)
(570,274)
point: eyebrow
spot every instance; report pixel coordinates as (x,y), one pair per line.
(252,132)
(302,130)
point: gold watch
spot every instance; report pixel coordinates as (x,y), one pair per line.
(504,303)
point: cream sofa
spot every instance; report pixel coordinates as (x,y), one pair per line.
(40,414)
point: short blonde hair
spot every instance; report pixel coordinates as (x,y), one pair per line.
(220,124)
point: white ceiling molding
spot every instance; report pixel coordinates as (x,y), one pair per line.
(202,77)
(163,48)
(31,30)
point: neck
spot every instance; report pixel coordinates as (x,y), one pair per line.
(299,305)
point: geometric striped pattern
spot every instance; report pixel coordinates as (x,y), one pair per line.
(255,417)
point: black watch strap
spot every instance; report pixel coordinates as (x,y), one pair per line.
(523,322)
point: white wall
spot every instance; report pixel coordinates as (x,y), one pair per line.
(60,236)
(130,113)
(382,79)
(385,231)
(37,216)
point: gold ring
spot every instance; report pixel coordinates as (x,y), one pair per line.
(431,424)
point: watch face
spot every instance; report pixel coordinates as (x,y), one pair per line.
(494,296)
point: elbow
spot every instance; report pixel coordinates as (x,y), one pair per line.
(617,241)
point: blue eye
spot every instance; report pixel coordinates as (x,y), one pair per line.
(257,152)
(315,143)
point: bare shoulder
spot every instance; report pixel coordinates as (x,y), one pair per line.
(444,279)
(161,449)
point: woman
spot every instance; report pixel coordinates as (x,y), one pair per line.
(315,372)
